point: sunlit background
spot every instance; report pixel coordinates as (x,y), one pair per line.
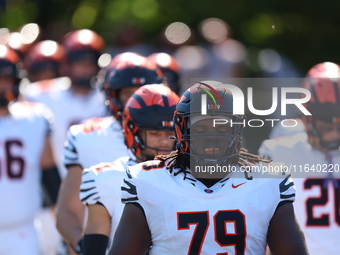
(303,32)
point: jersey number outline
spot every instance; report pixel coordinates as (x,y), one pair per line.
(323,220)
(10,160)
(201,220)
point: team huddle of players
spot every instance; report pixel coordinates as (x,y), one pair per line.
(115,197)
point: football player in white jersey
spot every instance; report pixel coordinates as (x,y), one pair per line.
(279,130)
(99,140)
(177,208)
(25,150)
(314,158)
(42,65)
(73,100)
(148,126)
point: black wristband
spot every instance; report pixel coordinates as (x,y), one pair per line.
(95,244)
(79,248)
(51,182)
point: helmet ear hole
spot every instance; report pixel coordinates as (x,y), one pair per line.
(178,119)
(131,125)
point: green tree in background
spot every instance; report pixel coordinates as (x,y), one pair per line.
(307,32)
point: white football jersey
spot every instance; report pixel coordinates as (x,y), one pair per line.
(317,205)
(22,138)
(292,127)
(186,217)
(97,140)
(28,89)
(68,109)
(102,184)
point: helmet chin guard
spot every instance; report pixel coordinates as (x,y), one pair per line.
(151,107)
(9,69)
(322,81)
(208,144)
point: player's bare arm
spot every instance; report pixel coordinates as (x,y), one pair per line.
(97,230)
(132,236)
(285,236)
(70,210)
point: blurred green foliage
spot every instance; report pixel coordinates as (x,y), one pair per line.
(305,31)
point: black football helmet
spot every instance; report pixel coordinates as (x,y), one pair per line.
(189,108)
(127,70)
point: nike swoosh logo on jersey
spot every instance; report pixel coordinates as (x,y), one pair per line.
(236,186)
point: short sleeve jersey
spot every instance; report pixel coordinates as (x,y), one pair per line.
(186,217)
(22,138)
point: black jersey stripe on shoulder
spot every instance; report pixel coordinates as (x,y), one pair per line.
(128,173)
(72,149)
(283,186)
(131,199)
(132,188)
(131,162)
(88,181)
(87,197)
(70,146)
(84,190)
(287,196)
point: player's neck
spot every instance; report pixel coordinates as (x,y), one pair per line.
(4,111)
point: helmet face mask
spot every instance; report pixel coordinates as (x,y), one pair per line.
(323,82)
(117,99)
(210,144)
(9,77)
(148,115)
(7,85)
(82,50)
(202,141)
(43,59)
(83,73)
(323,135)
